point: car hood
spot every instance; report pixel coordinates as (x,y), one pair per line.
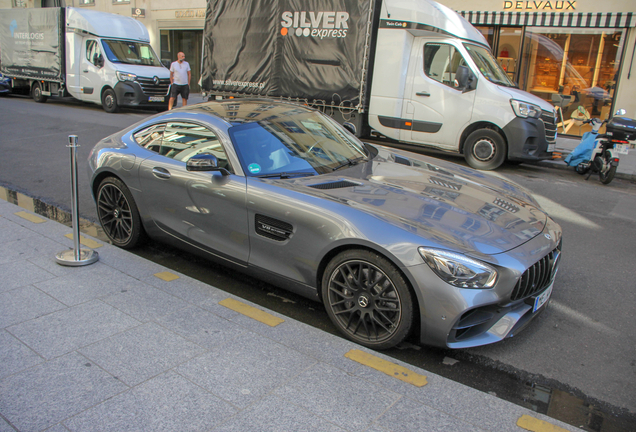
(450,205)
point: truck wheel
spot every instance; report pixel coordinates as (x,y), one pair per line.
(36,93)
(485,149)
(109,101)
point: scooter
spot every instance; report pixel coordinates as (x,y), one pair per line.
(599,153)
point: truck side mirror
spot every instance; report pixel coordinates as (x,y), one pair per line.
(98,60)
(465,80)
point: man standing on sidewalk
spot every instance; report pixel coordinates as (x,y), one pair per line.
(180,75)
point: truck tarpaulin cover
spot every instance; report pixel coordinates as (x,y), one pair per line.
(32,43)
(307,49)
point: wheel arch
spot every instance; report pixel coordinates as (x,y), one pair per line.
(482,125)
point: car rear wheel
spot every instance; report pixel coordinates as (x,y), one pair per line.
(367,298)
(485,149)
(36,93)
(118,214)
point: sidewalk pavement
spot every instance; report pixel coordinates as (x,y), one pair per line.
(125,344)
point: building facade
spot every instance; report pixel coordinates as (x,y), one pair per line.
(576,54)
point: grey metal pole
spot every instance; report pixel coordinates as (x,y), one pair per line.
(78,256)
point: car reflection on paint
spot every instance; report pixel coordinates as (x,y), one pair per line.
(390,242)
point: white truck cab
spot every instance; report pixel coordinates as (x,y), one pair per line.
(435,82)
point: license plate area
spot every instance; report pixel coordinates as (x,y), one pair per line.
(621,148)
(156,99)
(542,298)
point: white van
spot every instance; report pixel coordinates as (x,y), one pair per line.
(413,71)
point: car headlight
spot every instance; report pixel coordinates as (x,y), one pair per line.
(459,270)
(525,110)
(123,76)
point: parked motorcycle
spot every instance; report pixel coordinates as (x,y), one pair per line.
(599,153)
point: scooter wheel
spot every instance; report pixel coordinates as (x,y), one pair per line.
(582,168)
(608,175)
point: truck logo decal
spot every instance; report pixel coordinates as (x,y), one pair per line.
(13,26)
(23,35)
(315,24)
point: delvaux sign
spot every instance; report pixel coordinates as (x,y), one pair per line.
(190,13)
(543,5)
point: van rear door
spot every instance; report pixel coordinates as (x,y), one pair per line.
(439,111)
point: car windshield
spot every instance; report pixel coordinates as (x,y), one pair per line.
(299,144)
(488,66)
(128,52)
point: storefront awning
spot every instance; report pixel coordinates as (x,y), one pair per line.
(551,19)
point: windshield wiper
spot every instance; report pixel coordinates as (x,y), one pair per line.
(349,162)
(286,175)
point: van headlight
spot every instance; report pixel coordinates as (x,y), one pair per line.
(459,270)
(525,110)
(123,76)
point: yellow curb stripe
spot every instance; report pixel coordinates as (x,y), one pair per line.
(534,424)
(251,312)
(167,276)
(30,217)
(391,369)
(86,241)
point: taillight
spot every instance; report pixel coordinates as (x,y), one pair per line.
(615,141)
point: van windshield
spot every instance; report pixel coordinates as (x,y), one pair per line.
(128,52)
(488,66)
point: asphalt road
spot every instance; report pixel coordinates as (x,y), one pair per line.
(584,343)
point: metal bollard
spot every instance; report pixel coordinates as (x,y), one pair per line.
(78,256)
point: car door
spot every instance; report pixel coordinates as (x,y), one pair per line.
(202,208)
(91,72)
(439,111)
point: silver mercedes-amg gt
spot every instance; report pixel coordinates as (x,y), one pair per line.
(391,242)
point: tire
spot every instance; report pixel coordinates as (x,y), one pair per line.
(118,214)
(36,93)
(109,101)
(607,176)
(485,149)
(378,315)
(582,168)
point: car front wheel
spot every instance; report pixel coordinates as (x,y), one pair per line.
(118,214)
(485,149)
(368,299)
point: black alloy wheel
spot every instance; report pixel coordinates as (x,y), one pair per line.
(118,214)
(485,149)
(607,175)
(368,299)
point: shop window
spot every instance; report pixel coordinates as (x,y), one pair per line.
(575,69)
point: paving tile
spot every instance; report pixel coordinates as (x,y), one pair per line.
(14,355)
(17,274)
(201,327)
(46,394)
(127,263)
(190,290)
(5,427)
(141,353)
(69,329)
(274,414)
(27,247)
(88,283)
(145,303)
(11,231)
(167,402)
(407,415)
(351,403)
(246,369)
(22,304)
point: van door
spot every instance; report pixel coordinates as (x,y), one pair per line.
(439,111)
(91,71)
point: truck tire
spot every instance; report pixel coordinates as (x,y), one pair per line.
(109,101)
(36,93)
(485,149)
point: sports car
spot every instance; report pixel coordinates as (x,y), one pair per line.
(394,244)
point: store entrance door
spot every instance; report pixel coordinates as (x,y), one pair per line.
(189,42)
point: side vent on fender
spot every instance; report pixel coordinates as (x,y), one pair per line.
(273,229)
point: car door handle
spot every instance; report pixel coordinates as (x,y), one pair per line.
(427,94)
(161,173)
(85,71)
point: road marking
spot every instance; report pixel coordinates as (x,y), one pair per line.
(167,276)
(86,241)
(252,312)
(556,210)
(534,424)
(384,366)
(30,217)
(584,319)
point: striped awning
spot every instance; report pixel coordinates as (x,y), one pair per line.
(552,19)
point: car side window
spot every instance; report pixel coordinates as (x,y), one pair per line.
(441,62)
(92,50)
(183,140)
(150,137)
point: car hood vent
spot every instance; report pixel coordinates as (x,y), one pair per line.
(338,184)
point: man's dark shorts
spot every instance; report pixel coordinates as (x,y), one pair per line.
(183,90)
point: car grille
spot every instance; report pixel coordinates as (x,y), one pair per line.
(150,88)
(538,277)
(549,121)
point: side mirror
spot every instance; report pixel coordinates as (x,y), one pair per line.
(465,80)
(205,162)
(98,60)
